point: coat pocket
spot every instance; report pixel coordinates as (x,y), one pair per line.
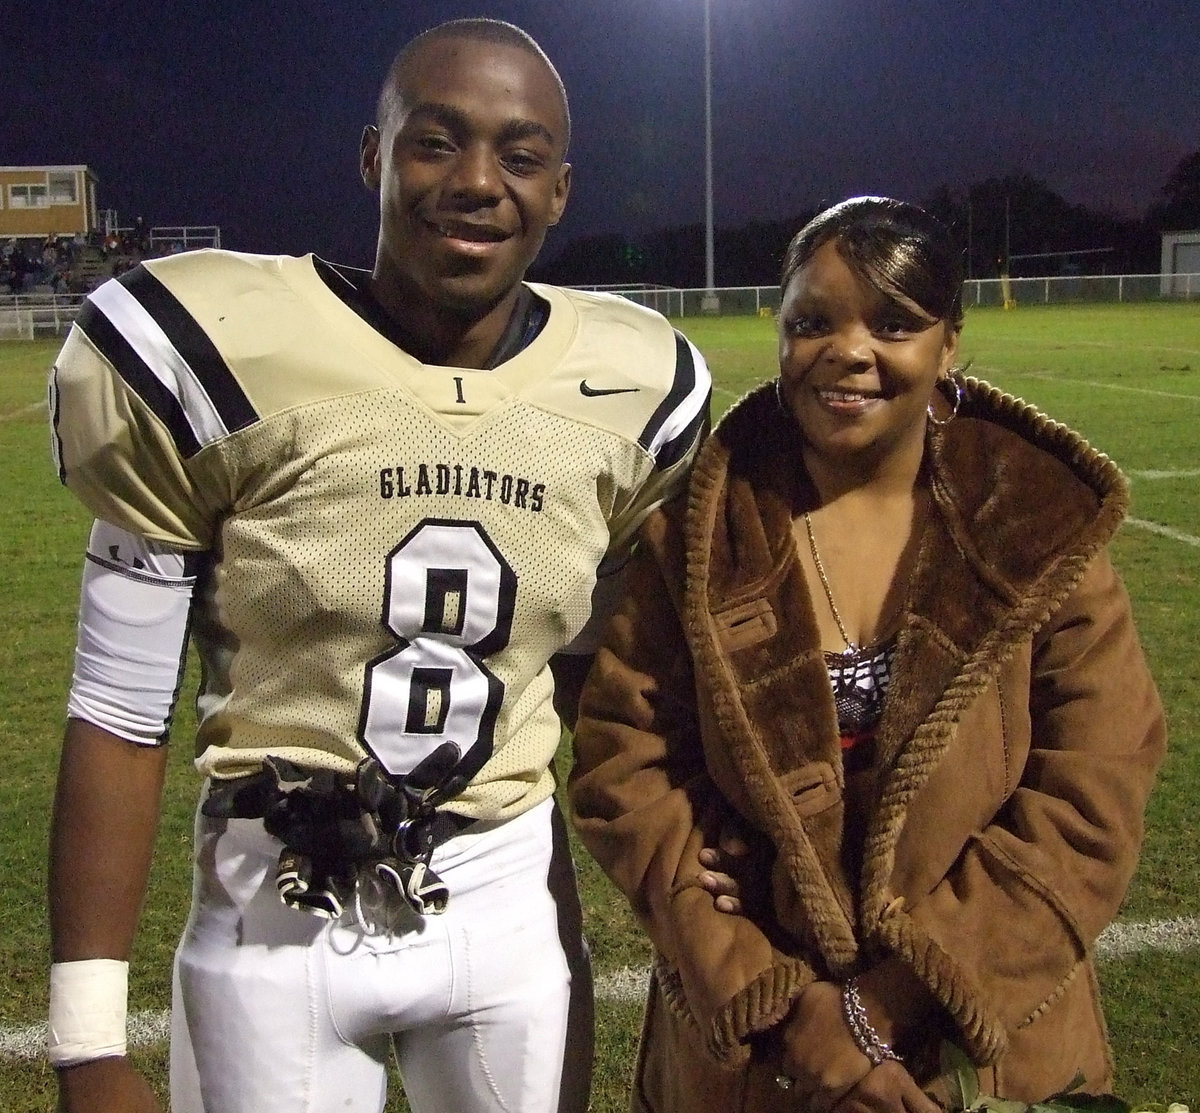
(813,788)
(745,625)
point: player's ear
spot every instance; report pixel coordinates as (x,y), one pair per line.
(368,156)
(562,187)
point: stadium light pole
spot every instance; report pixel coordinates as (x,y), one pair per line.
(710,303)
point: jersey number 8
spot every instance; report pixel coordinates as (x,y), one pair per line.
(449,600)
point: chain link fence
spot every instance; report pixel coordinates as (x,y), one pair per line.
(30,316)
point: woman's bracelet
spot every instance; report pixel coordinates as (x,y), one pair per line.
(861,1028)
(87,1010)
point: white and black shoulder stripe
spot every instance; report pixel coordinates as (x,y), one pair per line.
(166,358)
(683,412)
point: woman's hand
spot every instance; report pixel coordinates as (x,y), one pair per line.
(819,1053)
(831,1071)
(725,866)
(889,1088)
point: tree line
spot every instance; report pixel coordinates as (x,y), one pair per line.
(1016,224)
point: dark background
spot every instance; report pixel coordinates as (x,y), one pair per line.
(1069,116)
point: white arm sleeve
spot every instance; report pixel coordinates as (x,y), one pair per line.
(134,613)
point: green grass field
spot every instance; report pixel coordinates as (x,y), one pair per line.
(1128,377)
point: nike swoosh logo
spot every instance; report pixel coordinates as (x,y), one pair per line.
(599,392)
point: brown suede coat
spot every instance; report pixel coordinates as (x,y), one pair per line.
(1019,742)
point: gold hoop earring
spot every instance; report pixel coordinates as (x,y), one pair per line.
(955,402)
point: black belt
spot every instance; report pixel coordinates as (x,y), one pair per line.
(334,825)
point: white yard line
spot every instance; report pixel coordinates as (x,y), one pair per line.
(1164,531)
(1110,345)
(1154,473)
(1158,935)
(24,411)
(29,1042)
(626,984)
(1047,377)
(629,984)
(1117,940)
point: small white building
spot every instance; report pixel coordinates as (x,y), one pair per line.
(1181,264)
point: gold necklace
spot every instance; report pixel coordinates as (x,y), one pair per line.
(812,544)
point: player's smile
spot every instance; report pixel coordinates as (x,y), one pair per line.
(473,233)
(469,165)
(471,237)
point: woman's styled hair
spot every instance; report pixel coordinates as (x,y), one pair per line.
(896,247)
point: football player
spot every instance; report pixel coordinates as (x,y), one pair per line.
(387,508)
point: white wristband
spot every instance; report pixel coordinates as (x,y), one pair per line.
(88,1005)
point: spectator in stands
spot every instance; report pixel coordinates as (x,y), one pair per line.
(18,267)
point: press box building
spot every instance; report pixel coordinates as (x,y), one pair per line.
(41,201)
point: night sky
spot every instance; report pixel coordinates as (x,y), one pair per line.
(248,115)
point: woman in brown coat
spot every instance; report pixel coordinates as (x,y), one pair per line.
(884,638)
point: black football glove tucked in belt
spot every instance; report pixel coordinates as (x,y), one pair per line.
(333,825)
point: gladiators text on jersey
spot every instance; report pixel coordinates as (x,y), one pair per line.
(457,479)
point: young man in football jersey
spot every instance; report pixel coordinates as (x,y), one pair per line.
(387,508)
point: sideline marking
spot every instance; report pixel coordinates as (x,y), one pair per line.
(1066,380)
(1164,531)
(23,411)
(628,984)
(1110,345)
(1154,473)
(29,1042)
(1116,941)
(1158,935)
(1044,376)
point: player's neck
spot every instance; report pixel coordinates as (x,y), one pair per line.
(445,335)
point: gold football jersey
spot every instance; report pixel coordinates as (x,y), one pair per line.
(397,549)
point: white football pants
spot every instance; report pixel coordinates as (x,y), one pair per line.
(488,1006)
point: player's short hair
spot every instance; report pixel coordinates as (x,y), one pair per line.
(894,246)
(480,30)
